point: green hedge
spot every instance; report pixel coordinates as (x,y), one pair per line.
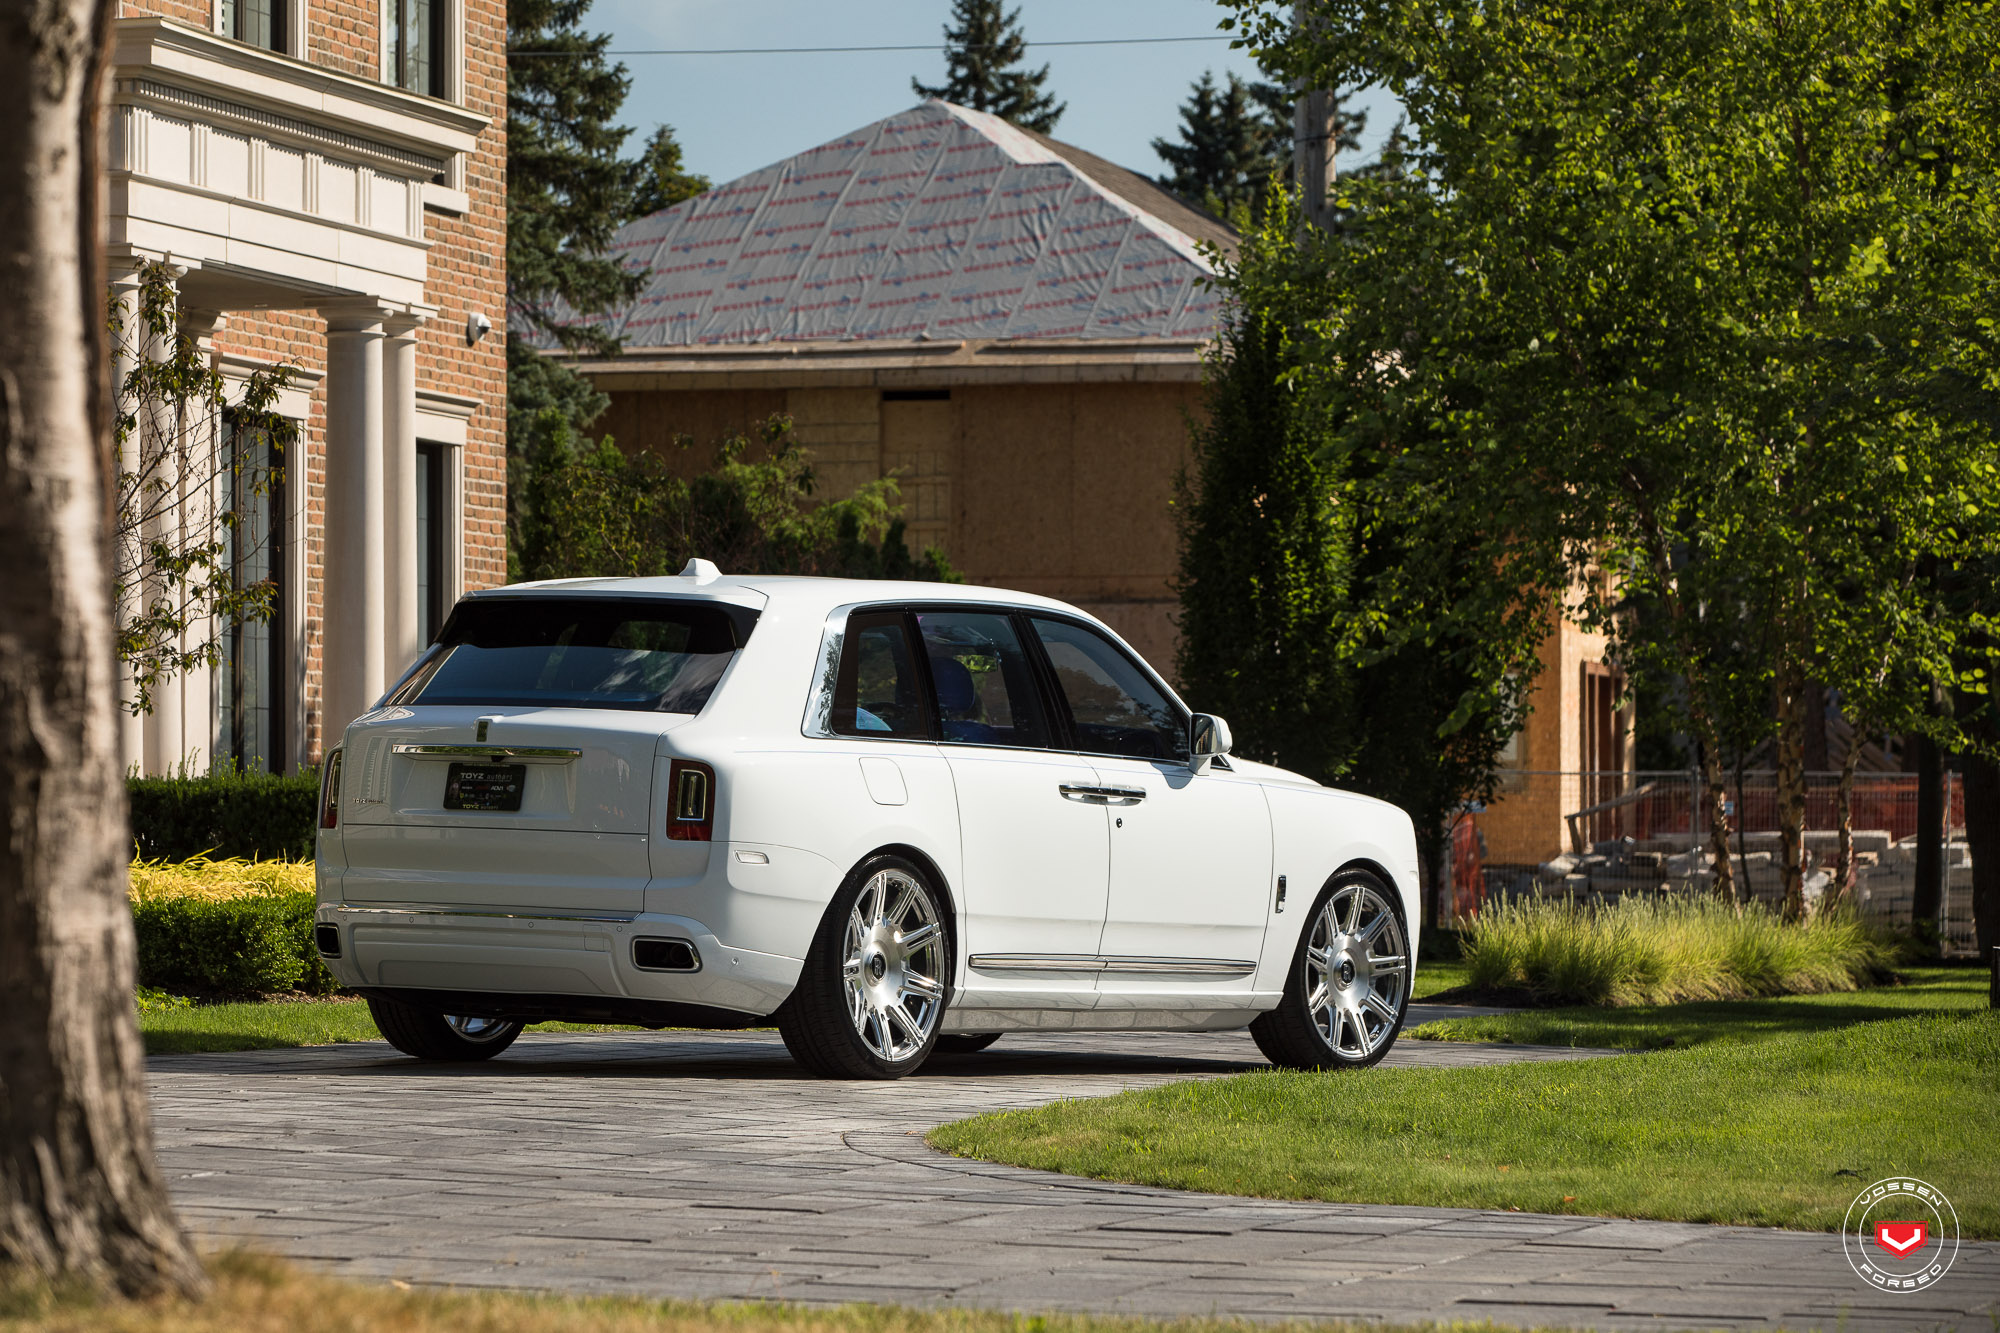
(225,814)
(231,946)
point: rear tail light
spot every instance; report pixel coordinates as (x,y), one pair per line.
(329,791)
(690,802)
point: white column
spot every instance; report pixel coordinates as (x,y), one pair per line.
(399,490)
(353,646)
(124,360)
(206,490)
(161,446)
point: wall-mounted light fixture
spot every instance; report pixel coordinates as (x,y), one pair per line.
(477,326)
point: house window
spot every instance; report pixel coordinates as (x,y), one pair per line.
(432,525)
(417,47)
(257,23)
(250,707)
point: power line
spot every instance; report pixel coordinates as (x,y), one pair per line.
(844,50)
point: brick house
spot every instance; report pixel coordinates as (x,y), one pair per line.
(328,180)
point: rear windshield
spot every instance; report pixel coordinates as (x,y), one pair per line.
(652,656)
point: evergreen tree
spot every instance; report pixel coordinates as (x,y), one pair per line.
(980,55)
(1280,562)
(1225,153)
(658,178)
(567,192)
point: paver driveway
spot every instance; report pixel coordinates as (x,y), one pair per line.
(705,1165)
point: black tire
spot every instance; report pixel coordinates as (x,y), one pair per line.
(1300,1034)
(880,1026)
(964,1043)
(429,1034)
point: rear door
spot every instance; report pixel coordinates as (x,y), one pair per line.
(1036,843)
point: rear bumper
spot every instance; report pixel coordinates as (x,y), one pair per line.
(577,962)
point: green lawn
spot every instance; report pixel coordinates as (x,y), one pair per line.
(253,1027)
(1654,1026)
(1435,975)
(1781,1131)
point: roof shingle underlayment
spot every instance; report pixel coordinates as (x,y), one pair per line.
(937,223)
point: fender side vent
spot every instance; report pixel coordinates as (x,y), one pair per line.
(650,955)
(327,939)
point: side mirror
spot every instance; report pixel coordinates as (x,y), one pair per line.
(1208,738)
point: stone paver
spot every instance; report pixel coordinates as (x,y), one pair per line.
(705,1165)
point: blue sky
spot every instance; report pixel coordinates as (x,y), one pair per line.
(739,112)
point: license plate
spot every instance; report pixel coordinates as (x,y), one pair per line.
(484,786)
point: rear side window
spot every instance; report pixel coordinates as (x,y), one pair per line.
(879,692)
(653,656)
(985,688)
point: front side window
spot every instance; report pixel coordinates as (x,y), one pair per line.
(652,656)
(879,693)
(256,23)
(1115,707)
(985,689)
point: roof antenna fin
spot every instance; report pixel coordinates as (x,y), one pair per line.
(701,571)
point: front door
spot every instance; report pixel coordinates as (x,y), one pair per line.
(1036,841)
(1190,853)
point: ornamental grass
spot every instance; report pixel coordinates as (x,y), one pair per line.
(1662,951)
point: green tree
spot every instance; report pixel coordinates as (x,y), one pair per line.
(1696,295)
(599,512)
(1283,553)
(1227,149)
(568,191)
(983,47)
(184,520)
(659,180)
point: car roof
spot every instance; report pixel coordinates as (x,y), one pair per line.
(793,592)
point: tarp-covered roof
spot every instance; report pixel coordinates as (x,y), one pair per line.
(940,222)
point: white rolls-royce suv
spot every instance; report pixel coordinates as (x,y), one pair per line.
(892,818)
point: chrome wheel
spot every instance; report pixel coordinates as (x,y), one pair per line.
(480,1030)
(1356,970)
(893,957)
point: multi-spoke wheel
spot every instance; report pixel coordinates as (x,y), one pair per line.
(431,1035)
(874,987)
(1349,982)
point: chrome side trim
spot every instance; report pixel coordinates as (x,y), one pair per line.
(1078,962)
(532,754)
(1035,962)
(344,910)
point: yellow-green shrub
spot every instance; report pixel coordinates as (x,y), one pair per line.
(229,927)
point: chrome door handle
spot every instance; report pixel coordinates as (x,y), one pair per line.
(1076,791)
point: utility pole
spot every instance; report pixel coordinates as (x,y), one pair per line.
(1312,153)
(1313,113)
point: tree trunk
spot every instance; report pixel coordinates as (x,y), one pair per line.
(81,1196)
(1791,707)
(1982,834)
(1844,874)
(1927,897)
(1717,784)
